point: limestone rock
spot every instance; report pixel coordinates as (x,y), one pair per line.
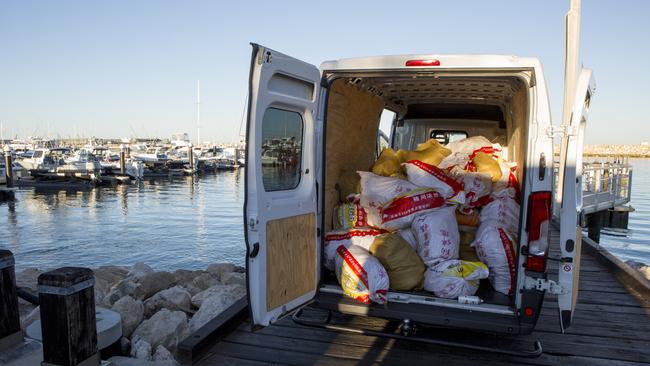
(184,276)
(131,311)
(110,274)
(125,346)
(221,268)
(174,298)
(125,287)
(206,280)
(166,327)
(230,291)
(140,270)
(141,349)
(163,354)
(221,298)
(234,278)
(152,283)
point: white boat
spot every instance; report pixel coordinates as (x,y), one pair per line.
(152,155)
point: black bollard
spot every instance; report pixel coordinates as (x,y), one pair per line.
(10,333)
(122,160)
(68,323)
(9,169)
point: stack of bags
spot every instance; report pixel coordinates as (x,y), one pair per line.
(402,229)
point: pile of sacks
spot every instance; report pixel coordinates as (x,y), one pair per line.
(439,218)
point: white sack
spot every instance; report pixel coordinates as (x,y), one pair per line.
(501,212)
(362,277)
(453,278)
(437,235)
(407,235)
(363,238)
(426,175)
(495,247)
(399,212)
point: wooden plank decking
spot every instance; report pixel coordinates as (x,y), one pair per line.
(611,327)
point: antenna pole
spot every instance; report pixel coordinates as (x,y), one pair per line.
(198,112)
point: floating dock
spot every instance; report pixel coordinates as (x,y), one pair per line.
(611,326)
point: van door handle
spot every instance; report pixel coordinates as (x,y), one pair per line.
(256,249)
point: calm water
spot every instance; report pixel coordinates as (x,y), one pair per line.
(167,223)
(636,245)
(184,223)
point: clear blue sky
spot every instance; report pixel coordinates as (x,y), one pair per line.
(119,68)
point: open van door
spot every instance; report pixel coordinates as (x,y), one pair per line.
(571,193)
(282,258)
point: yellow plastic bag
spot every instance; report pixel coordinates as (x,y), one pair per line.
(430,152)
(387,164)
(484,163)
(404,266)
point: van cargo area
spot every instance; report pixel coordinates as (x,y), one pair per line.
(494,105)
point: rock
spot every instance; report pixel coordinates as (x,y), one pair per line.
(33,316)
(234,278)
(125,346)
(152,283)
(206,280)
(166,327)
(184,276)
(174,298)
(127,361)
(240,269)
(193,290)
(214,305)
(141,349)
(131,311)
(140,270)
(163,354)
(221,268)
(125,287)
(110,274)
(28,278)
(230,291)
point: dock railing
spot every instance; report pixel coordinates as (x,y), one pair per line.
(606,184)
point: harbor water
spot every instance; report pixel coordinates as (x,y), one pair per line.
(185,222)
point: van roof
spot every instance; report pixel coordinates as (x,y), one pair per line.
(445,61)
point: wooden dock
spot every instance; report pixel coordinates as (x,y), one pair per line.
(611,326)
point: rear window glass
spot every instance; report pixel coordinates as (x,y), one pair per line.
(281,158)
(446,136)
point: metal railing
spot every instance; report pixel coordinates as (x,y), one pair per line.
(606,183)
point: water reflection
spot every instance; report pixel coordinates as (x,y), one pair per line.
(181,222)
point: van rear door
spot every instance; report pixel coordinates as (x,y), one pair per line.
(282,257)
(571,193)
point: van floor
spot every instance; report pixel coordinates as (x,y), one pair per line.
(611,326)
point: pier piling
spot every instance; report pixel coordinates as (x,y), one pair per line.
(10,333)
(9,171)
(122,160)
(594,225)
(68,323)
(191,157)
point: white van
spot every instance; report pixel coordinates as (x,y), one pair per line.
(331,116)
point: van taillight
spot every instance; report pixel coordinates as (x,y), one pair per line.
(423,63)
(539,219)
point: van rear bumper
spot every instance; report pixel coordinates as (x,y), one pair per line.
(426,314)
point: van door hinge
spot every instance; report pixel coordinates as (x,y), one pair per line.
(541,284)
(253,221)
(561,131)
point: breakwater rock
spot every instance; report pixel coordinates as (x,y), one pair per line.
(159,309)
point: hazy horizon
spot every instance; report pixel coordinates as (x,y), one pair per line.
(126,69)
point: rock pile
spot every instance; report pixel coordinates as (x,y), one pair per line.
(159,309)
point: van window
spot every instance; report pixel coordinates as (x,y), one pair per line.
(281,149)
(446,136)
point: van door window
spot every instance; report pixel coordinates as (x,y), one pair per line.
(446,136)
(281,149)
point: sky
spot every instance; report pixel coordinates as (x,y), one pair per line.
(130,68)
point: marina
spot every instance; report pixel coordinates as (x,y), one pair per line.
(356,196)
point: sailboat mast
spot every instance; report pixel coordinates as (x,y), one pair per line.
(198,112)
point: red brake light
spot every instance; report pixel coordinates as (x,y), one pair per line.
(539,218)
(529,311)
(423,63)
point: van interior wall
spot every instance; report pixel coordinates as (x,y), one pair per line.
(350,141)
(516,122)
